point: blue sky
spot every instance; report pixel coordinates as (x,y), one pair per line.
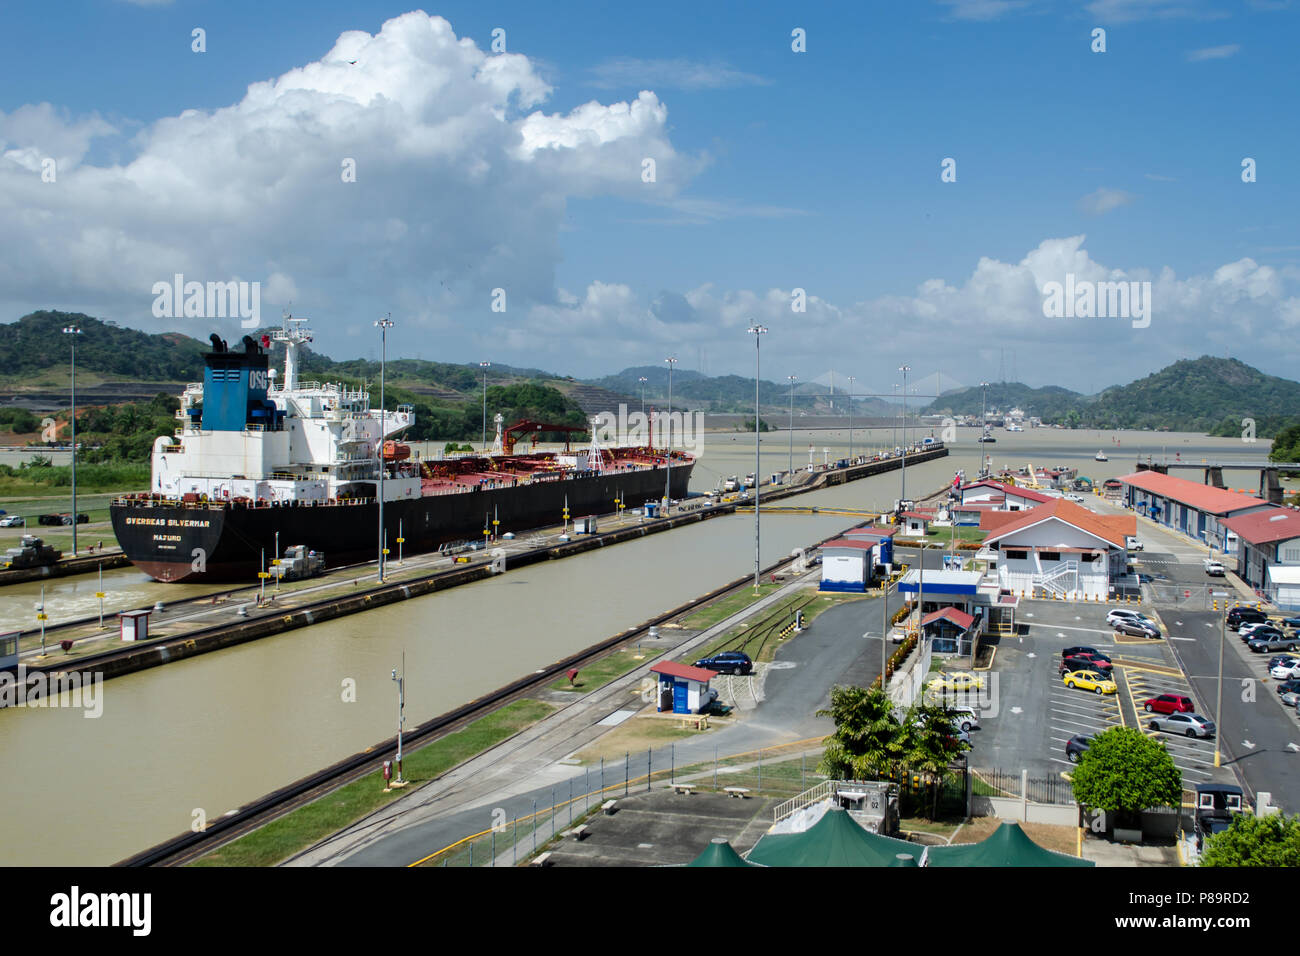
(777,170)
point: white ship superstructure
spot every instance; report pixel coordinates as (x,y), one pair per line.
(242,435)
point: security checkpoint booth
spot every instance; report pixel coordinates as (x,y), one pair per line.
(951,631)
(683,689)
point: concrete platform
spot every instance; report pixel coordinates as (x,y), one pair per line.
(664,828)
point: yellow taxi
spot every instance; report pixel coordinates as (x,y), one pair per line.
(1090,680)
(959,681)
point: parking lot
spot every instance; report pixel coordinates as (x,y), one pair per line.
(1031,713)
(1193,756)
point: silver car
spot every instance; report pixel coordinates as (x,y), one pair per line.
(1189,725)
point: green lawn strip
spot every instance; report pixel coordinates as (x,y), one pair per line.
(720,610)
(600,672)
(964,533)
(307,825)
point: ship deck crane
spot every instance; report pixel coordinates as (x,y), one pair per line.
(525,426)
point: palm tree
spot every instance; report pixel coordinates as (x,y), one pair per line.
(869,741)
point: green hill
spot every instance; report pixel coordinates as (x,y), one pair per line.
(1049,403)
(1207,394)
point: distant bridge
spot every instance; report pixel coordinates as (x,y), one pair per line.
(1270,489)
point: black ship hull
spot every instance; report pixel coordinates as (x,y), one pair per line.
(192,542)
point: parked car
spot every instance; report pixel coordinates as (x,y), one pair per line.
(1142,628)
(1214,568)
(1189,725)
(1285,671)
(1075,651)
(12,521)
(1090,680)
(1169,704)
(1288,686)
(1291,621)
(965,718)
(1291,698)
(728,662)
(1246,629)
(1083,662)
(1270,639)
(1075,747)
(959,681)
(1238,616)
(1124,614)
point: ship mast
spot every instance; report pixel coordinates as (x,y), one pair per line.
(294,333)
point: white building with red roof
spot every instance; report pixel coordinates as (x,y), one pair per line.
(1196,510)
(683,689)
(1060,549)
(1268,558)
(1003,496)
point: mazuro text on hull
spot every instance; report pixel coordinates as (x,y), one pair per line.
(252,458)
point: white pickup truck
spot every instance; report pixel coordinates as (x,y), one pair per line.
(1214,568)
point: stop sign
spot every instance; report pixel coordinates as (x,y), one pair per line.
(1187,594)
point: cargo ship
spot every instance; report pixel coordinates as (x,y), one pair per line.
(255,465)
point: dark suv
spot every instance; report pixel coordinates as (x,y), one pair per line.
(1245,615)
(728,662)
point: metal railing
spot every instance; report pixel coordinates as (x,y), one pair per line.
(1003,783)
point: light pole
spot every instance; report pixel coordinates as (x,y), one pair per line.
(1218,706)
(757,331)
(903,467)
(645,424)
(668,457)
(895,449)
(984,402)
(790,466)
(851,381)
(485,366)
(383,325)
(401,717)
(72,331)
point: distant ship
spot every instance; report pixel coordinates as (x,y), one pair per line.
(254,463)
(1100,456)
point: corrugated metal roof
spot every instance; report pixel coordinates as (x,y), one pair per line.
(1207,498)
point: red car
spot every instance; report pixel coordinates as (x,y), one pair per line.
(1086,661)
(1169,704)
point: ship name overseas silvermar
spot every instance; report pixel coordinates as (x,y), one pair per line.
(256,463)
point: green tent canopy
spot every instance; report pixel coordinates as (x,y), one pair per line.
(834,840)
(718,853)
(1008,845)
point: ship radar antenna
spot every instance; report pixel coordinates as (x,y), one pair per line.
(498,446)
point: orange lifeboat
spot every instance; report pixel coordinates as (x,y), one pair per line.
(396,451)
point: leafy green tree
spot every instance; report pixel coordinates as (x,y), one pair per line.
(868,741)
(1273,840)
(1125,772)
(931,747)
